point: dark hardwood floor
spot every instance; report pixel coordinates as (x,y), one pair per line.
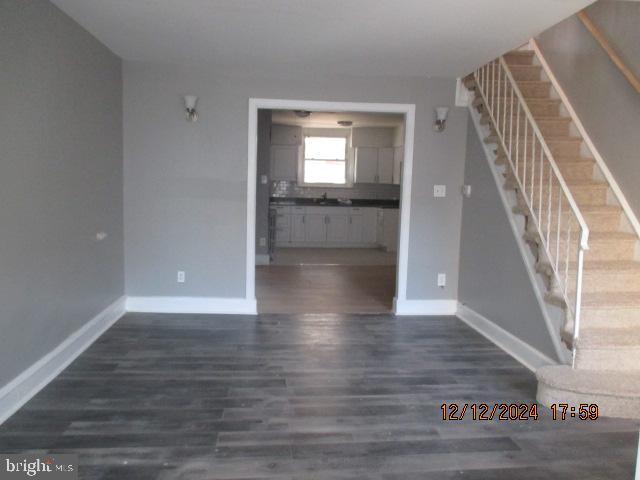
(323,397)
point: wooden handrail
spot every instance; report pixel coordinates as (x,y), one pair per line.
(608,48)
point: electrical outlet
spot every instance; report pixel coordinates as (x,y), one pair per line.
(181,277)
(442,280)
(439,190)
(262,242)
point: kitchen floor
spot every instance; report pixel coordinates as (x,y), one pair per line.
(325,288)
(308,397)
(333,256)
(327,280)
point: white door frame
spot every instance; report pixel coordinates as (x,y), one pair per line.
(409,111)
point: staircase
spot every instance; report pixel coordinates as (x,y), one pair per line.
(581,238)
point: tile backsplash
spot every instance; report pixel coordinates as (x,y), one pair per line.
(284,188)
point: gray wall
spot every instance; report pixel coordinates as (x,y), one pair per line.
(185,184)
(60,180)
(493,277)
(607,105)
(263,167)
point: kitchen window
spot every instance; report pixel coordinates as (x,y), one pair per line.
(325,160)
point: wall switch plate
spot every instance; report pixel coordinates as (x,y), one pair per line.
(181,277)
(466,190)
(439,191)
(442,280)
(262,242)
(264,179)
(100,236)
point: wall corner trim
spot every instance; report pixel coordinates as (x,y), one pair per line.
(518,349)
(193,305)
(424,307)
(22,388)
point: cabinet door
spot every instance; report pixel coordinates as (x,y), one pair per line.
(398,160)
(366,165)
(298,223)
(337,228)
(385,165)
(284,162)
(315,228)
(369,225)
(356,224)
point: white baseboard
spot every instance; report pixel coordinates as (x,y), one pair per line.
(192,305)
(22,388)
(263,259)
(518,349)
(425,307)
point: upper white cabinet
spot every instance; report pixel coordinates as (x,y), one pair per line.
(374,165)
(284,162)
(366,165)
(398,160)
(385,165)
(286,135)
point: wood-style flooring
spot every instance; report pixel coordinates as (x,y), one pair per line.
(310,397)
(325,288)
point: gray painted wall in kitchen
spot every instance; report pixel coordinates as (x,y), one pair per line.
(493,277)
(607,105)
(263,190)
(185,184)
(60,180)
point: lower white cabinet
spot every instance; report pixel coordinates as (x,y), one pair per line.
(338,228)
(298,228)
(315,228)
(388,225)
(326,226)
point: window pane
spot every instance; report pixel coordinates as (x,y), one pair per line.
(325,171)
(325,148)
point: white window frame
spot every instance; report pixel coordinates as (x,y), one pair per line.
(348,156)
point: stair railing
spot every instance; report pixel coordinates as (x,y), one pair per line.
(553,215)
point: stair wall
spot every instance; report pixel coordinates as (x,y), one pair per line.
(605,103)
(493,277)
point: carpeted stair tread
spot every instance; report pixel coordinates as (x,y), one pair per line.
(605,382)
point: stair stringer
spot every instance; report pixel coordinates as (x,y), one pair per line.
(554,316)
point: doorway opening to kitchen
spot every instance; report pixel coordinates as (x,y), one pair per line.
(329,184)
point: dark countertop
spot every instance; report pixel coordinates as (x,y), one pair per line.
(332,202)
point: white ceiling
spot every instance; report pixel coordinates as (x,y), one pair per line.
(360,37)
(330,119)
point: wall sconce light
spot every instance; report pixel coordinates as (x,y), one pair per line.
(441,118)
(190,102)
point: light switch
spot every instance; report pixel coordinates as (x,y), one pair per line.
(439,190)
(466,190)
(264,179)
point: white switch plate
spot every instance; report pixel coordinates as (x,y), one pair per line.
(263,242)
(442,280)
(439,190)
(181,277)
(466,190)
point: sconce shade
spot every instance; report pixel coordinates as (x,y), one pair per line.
(441,118)
(190,102)
(441,113)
